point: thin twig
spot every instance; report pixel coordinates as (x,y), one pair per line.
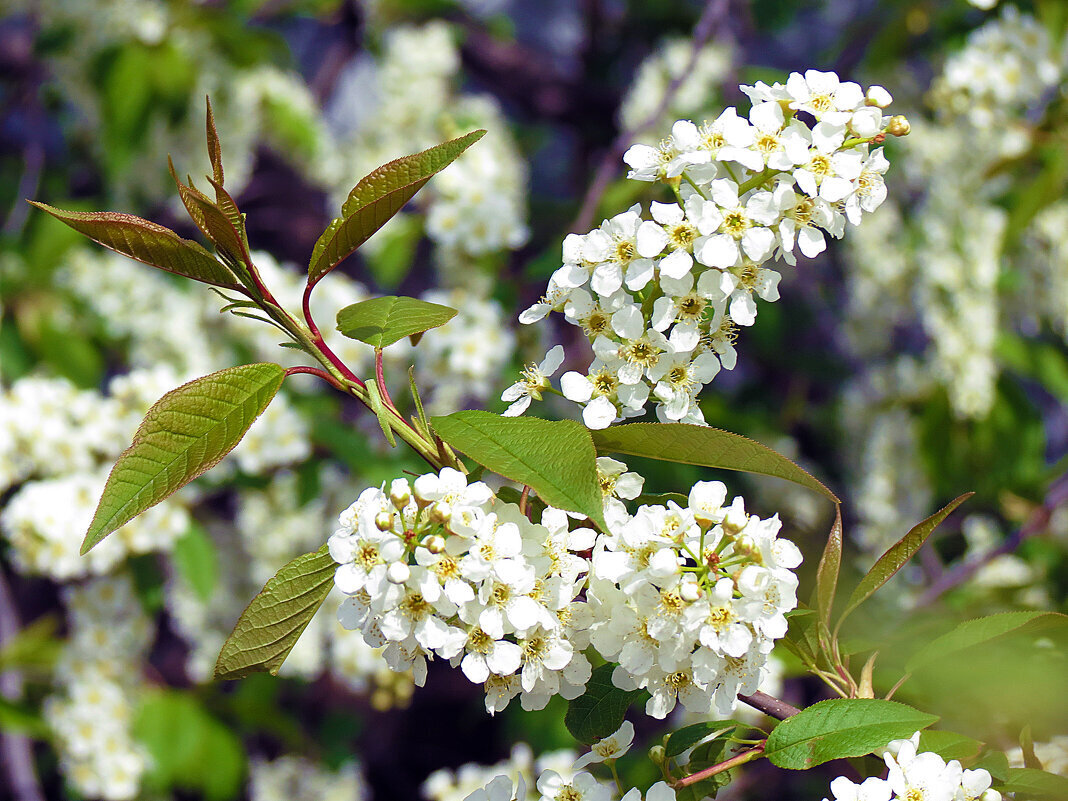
(739,759)
(1056,496)
(316,371)
(769,705)
(711,19)
(16,750)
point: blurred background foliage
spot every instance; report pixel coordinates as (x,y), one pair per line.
(924,358)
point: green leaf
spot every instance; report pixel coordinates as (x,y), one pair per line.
(374,399)
(377,197)
(189,748)
(554,458)
(269,628)
(599,711)
(197,561)
(33,649)
(1029,783)
(187,432)
(19,719)
(383,321)
(827,574)
(146,242)
(802,635)
(687,737)
(950,745)
(980,630)
(704,446)
(995,763)
(898,554)
(839,728)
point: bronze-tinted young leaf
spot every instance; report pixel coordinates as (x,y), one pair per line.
(220,229)
(188,431)
(827,574)
(270,626)
(701,445)
(377,197)
(554,458)
(147,242)
(186,194)
(214,148)
(383,321)
(898,554)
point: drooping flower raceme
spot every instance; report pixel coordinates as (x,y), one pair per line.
(661,299)
(687,599)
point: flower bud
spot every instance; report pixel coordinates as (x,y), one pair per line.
(398,573)
(384,520)
(435,544)
(440,512)
(899,125)
(878,96)
(690,591)
(400,493)
(656,755)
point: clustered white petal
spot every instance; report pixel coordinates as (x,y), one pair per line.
(916,776)
(661,299)
(688,600)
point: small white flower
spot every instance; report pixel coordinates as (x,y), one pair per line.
(535,379)
(613,746)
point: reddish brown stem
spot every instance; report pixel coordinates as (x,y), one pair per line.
(736,760)
(380,377)
(523,501)
(306,308)
(769,705)
(316,371)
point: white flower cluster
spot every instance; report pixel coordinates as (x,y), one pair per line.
(915,775)
(661,300)
(1005,66)
(293,778)
(688,600)
(521,768)
(92,714)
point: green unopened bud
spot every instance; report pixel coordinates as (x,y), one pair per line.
(898,126)
(440,512)
(384,520)
(656,755)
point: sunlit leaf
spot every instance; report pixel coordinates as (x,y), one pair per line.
(188,431)
(899,554)
(704,446)
(981,630)
(555,458)
(147,242)
(839,728)
(377,197)
(270,626)
(382,321)
(1035,784)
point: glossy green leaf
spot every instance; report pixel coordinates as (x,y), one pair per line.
(554,458)
(188,431)
(270,626)
(599,711)
(995,763)
(839,728)
(687,737)
(981,630)
(382,321)
(377,197)
(1036,785)
(827,574)
(147,242)
(899,554)
(704,446)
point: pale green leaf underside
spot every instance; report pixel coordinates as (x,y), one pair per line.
(554,458)
(1036,784)
(188,431)
(269,628)
(377,197)
(383,321)
(981,630)
(708,447)
(599,711)
(682,740)
(147,242)
(840,728)
(899,554)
